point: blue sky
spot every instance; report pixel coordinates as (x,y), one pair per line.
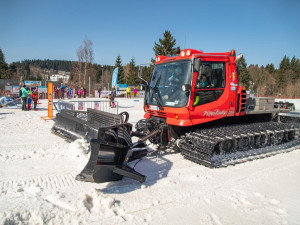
(264,31)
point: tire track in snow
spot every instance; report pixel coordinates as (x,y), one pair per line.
(52,181)
(30,144)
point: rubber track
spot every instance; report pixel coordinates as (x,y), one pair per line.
(212,146)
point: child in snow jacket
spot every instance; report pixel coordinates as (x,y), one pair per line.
(29,100)
(35,99)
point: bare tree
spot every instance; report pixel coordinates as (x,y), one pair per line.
(76,70)
(88,58)
(83,69)
(80,59)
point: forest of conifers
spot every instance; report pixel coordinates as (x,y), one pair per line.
(265,80)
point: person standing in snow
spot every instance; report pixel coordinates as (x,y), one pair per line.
(112,97)
(55,92)
(35,99)
(84,92)
(62,89)
(29,100)
(99,91)
(69,92)
(79,92)
(25,91)
(128,92)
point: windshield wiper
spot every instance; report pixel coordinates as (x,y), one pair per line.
(157,96)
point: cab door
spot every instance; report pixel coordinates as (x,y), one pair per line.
(211,98)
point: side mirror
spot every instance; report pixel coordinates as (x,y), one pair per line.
(196,66)
(238,58)
(140,74)
(186,87)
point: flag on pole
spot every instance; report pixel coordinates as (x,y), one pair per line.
(115,78)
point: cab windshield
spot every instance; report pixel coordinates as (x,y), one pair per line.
(165,87)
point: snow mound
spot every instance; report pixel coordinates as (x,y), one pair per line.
(79,151)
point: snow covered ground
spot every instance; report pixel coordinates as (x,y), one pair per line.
(38,186)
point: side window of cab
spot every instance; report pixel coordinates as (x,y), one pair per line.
(210,82)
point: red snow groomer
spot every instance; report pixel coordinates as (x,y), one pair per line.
(194,105)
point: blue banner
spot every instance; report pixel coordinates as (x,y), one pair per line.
(115,78)
(122,87)
(33,83)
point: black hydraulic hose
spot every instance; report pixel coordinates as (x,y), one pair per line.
(137,163)
(153,133)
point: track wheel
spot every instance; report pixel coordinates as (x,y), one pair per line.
(251,141)
(291,135)
(260,141)
(279,138)
(245,143)
(285,136)
(228,145)
(272,139)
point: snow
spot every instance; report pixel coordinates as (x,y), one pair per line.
(38,186)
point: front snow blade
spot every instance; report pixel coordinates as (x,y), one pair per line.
(111,144)
(109,156)
(72,124)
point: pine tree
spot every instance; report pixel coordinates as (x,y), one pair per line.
(293,63)
(283,67)
(280,80)
(121,75)
(295,67)
(244,75)
(3,66)
(132,75)
(166,45)
(284,64)
(25,69)
(98,75)
(270,68)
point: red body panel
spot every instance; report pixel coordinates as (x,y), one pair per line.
(174,116)
(189,115)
